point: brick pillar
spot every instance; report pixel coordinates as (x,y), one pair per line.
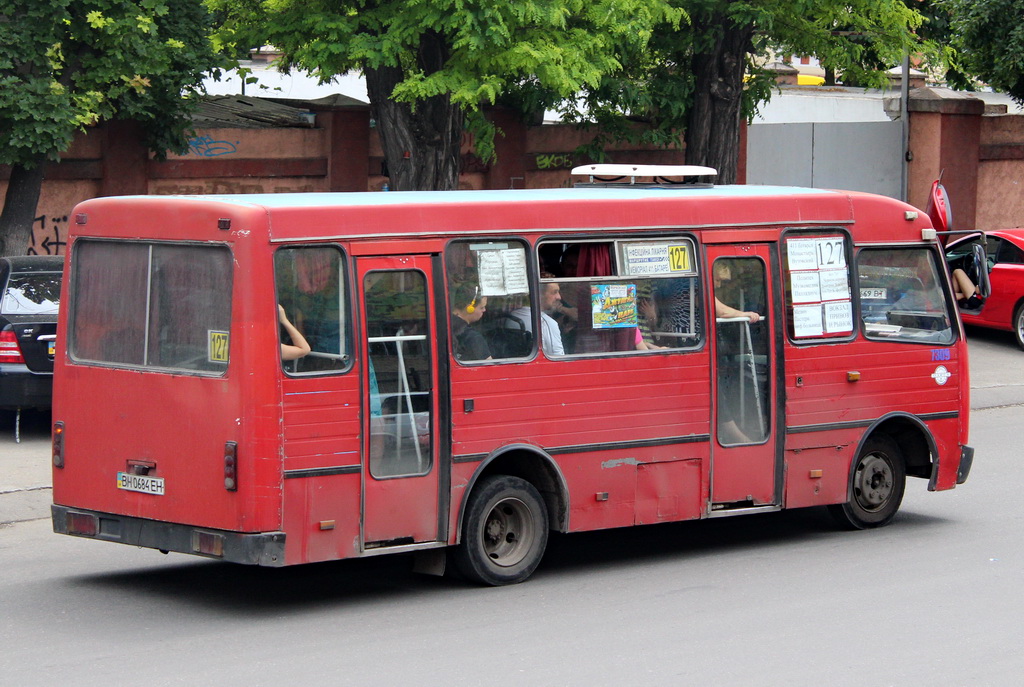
(348,166)
(945,138)
(125,158)
(509,169)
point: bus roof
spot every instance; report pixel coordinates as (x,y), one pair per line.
(320,216)
(624,191)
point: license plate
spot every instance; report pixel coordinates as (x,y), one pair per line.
(872,293)
(140,483)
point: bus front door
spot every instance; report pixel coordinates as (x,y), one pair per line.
(401,492)
(745,466)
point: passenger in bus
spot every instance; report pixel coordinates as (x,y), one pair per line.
(721,273)
(647,318)
(550,301)
(298,347)
(468,306)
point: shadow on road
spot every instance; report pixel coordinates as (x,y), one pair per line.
(249,591)
(995,337)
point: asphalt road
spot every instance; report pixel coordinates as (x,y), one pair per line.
(780,599)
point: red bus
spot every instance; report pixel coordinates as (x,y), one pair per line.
(486,366)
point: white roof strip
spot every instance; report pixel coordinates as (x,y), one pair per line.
(625,170)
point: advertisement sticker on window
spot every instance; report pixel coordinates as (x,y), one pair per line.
(613,305)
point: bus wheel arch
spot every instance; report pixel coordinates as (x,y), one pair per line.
(534,466)
(892,449)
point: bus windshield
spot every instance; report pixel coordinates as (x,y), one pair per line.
(901,296)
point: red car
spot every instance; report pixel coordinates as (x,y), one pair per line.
(1004,255)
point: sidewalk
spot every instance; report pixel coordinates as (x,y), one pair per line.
(997,379)
(25,479)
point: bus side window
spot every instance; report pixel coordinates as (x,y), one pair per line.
(624,297)
(311,289)
(489,301)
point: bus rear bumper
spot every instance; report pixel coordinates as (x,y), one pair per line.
(261,548)
(966,460)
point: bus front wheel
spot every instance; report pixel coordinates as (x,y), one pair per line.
(505,532)
(876,488)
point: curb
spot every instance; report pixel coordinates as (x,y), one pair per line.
(20,505)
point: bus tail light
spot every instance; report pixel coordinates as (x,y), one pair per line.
(58,444)
(10,352)
(231,466)
(83,524)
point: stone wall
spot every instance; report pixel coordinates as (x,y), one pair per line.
(980,157)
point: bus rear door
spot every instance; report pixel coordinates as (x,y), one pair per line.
(401,494)
(746,462)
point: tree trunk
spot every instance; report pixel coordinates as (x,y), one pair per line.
(713,127)
(421,145)
(20,203)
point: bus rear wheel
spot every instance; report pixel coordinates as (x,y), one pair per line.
(876,489)
(505,532)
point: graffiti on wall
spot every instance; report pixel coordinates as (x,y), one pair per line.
(204,146)
(48,234)
(545,161)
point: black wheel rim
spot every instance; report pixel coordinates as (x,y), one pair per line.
(874,482)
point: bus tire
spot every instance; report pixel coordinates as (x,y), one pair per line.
(505,532)
(1018,325)
(876,486)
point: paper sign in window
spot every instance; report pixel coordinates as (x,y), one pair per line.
(838,317)
(805,287)
(502,272)
(807,320)
(835,284)
(802,254)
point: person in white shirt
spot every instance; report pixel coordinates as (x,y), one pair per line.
(550,299)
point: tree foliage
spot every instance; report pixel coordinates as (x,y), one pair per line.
(989,37)
(706,77)
(431,63)
(68,64)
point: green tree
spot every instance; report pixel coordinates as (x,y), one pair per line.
(69,64)
(431,64)
(704,79)
(989,36)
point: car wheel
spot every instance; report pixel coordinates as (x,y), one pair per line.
(876,486)
(505,532)
(1018,325)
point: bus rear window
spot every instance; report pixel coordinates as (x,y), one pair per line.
(901,296)
(152,305)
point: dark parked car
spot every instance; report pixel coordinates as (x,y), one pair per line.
(29,296)
(1004,261)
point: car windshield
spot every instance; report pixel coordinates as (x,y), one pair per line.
(31,293)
